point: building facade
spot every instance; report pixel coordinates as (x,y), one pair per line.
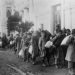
(5,11)
(49,13)
(3,18)
(53,12)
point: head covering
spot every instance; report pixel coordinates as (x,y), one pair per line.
(73,31)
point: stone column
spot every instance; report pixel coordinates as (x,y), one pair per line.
(3,18)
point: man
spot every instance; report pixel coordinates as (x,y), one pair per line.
(18,42)
(35,40)
(4,41)
(56,42)
(11,39)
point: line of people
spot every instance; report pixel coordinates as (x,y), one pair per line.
(43,44)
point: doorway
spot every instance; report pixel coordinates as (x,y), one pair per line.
(56,16)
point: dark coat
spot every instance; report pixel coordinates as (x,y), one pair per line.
(4,42)
(35,40)
(18,43)
(57,42)
(58,39)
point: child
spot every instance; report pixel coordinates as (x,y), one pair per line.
(70,56)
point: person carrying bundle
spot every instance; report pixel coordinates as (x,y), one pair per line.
(70,56)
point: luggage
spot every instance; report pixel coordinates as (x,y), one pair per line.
(64,42)
(12,42)
(48,44)
(21,53)
(30,49)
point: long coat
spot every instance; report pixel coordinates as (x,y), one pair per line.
(70,56)
(4,41)
(42,43)
(18,43)
(35,40)
(57,42)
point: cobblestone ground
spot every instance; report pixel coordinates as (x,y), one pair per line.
(9,58)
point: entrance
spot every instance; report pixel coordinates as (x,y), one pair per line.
(56,16)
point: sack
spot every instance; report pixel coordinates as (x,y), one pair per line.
(64,42)
(11,42)
(21,53)
(30,49)
(48,44)
(0,43)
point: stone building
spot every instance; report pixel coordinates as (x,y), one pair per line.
(5,11)
(49,13)
(53,12)
(7,8)
(3,18)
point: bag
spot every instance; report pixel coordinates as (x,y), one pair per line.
(11,42)
(64,42)
(48,44)
(21,53)
(30,49)
(0,43)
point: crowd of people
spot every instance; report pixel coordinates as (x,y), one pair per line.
(45,45)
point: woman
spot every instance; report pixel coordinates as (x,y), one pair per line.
(44,51)
(70,56)
(35,39)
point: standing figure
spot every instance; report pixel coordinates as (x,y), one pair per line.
(4,41)
(68,32)
(70,56)
(42,41)
(11,39)
(18,42)
(35,40)
(57,42)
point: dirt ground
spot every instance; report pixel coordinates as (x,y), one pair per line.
(7,57)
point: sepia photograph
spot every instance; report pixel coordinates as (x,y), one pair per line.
(37,37)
